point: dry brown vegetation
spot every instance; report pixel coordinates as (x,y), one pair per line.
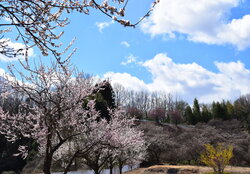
(183,144)
(158,169)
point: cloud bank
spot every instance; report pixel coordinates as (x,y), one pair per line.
(205,21)
(189,80)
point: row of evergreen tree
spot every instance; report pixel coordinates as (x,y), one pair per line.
(203,113)
(224,110)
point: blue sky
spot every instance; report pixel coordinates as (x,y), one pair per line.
(191,48)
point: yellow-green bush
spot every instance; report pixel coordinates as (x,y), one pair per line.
(217,157)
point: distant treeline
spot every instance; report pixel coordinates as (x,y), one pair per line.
(163,107)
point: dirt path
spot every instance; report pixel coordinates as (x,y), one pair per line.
(158,169)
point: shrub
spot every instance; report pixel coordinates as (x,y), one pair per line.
(157,114)
(217,157)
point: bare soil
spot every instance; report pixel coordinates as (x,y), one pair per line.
(159,169)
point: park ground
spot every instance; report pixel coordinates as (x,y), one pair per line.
(158,169)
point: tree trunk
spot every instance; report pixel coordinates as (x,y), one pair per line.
(110,169)
(96,171)
(48,155)
(76,167)
(47,164)
(110,165)
(131,167)
(120,168)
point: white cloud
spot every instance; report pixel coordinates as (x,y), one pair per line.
(102,25)
(15,46)
(127,80)
(190,80)
(125,43)
(201,20)
(2,72)
(129,59)
(4,76)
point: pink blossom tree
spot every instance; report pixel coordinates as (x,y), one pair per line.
(57,114)
(115,142)
(134,112)
(175,117)
(158,114)
(133,151)
(130,144)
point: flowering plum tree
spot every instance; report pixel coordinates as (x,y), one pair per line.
(56,115)
(130,146)
(133,151)
(175,117)
(158,114)
(37,21)
(113,142)
(134,112)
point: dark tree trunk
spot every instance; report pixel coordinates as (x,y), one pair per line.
(110,169)
(47,164)
(96,171)
(76,167)
(111,166)
(48,156)
(131,167)
(120,168)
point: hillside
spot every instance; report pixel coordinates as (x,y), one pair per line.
(182,144)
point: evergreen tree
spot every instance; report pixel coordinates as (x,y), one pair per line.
(105,100)
(108,95)
(206,115)
(219,110)
(189,115)
(196,111)
(223,111)
(215,110)
(230,109)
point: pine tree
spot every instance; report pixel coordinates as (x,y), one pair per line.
(215,110)
(196,111)
(230,109)
(224,112)
(189,115)
(205,114)
(219,110)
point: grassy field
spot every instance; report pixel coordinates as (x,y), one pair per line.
(158,169)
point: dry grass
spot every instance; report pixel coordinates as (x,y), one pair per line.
(158,169)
